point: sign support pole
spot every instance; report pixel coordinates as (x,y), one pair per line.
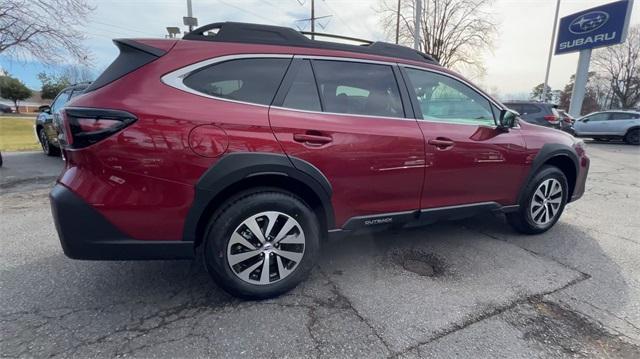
(580,83)
(553,40)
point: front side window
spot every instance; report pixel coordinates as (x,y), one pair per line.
(248,80)
(60,101)
(598,117)
(444,99)
(358,88)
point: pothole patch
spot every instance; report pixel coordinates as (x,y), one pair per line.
(560,330)
(421,263)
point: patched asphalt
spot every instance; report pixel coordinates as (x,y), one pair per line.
(470,288)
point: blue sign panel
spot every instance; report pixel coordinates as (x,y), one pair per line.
(596,27)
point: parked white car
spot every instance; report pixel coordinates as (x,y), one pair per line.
(609,125)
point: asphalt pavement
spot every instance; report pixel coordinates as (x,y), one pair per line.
(21,171)
(471,288)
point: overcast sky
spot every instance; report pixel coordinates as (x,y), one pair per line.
(516,64)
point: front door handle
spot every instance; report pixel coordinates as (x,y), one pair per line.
(441,143)
(311,139)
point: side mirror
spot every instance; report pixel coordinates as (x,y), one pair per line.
(585,120)
(45,108)
(507,119)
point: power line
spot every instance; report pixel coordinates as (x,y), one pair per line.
(339,17)
(121,27)
(247,11)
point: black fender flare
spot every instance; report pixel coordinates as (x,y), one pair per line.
(237,166)
(547,152)
(635,127)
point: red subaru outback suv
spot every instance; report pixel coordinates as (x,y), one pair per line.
(250,144)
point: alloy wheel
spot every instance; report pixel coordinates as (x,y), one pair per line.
(266,248)
(43,141)
(546,202)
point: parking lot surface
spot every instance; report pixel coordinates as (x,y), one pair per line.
(471,288)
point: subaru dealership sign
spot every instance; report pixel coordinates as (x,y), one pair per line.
(596,27)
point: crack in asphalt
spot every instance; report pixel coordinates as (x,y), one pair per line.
(535,254)
(342,298)
(473,319)
(610,313)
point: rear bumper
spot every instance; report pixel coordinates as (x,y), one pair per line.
(86,234)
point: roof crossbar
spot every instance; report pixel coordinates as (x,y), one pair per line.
(319,34)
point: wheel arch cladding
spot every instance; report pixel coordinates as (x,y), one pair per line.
(240,171)
(631,129)
(561,156)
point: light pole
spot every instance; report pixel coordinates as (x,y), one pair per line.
(416,26)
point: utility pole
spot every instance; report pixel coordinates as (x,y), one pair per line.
(398,23)
(553,36)
(189,20)
(416,26)
(189,13)
(313,19)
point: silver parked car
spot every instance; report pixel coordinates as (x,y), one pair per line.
(609,125)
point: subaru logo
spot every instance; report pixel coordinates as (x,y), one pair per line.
(588,22)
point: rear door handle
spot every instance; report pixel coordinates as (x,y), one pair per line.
(311,139)
(441,143)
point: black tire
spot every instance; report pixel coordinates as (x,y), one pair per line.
(232,215)
(522,220)
(47,147)
(633,137)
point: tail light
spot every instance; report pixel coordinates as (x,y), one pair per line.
(82,127)
(552,119)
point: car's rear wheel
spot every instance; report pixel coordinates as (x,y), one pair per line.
(543,202)
(47,147)
(633,137)
(261,244)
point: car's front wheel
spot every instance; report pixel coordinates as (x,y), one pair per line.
(47,147)
(543,202)
(633,137)
(261,244)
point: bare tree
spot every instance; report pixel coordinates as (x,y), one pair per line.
(454,32)
(620,65)
(48,30)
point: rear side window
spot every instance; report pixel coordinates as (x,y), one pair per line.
(515,107)
(303,94)
(624,116)
(247,80)
(358,88)
(529,109)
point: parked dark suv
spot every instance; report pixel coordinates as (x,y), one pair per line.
(251,146)
(46,127)
(539,113)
